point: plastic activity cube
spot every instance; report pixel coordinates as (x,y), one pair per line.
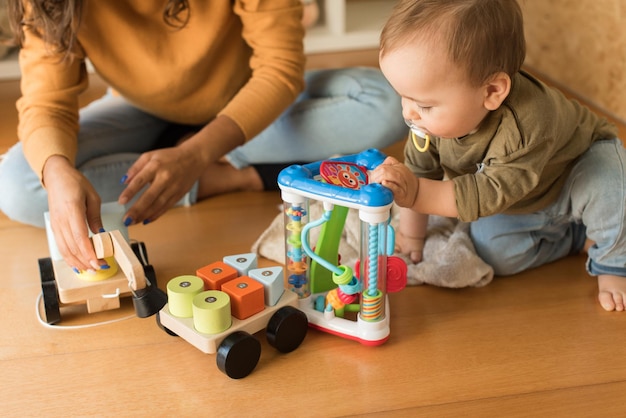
(349,301)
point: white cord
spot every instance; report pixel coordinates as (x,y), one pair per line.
(47,325)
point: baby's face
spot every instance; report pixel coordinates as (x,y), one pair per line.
(437,97)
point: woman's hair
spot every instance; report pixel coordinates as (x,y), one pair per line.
(483,37)
(57,21)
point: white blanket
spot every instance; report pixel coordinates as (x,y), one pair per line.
(449,258)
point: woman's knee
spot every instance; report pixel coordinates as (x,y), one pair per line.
(372,88)
(22,199)
(21,206)
(381,106)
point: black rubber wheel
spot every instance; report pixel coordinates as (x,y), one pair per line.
(49,291)
(238,354)
(164,328)
(286,329)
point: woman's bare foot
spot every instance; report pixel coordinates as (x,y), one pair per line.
(612,292)
(221,177)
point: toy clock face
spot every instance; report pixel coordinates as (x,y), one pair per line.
(348,175)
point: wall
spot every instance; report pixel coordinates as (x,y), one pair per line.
(581,46)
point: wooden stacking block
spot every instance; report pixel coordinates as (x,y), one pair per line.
(246,296)
(272,280)
(216,274)
(243,263)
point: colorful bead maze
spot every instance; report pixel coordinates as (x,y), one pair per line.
(347,301)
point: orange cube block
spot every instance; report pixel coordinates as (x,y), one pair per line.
(216,274)
(247,296)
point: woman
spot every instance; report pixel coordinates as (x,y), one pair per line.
(201,102)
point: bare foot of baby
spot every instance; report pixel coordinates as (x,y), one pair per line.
(221,177)
(612,292)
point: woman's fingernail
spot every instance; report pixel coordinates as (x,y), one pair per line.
(75,270)
(128,221)
(105,267)
(124,178)
(146,221)
(101,230)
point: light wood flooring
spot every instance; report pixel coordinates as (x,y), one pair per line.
(535,344)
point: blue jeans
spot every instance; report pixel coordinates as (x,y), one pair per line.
(591,205)
(342,111)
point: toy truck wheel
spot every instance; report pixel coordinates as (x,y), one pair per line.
(164,328)
(49,291)
(238,354)
(286,329)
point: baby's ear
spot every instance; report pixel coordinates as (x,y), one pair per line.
(496,90)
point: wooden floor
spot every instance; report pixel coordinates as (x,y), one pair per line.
(535,344)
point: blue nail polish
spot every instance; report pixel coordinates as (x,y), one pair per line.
(128,221)
(124,178)
(75,270)
(146,221)
(105,266)
(101,230)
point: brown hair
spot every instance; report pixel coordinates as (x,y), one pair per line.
(482,36)
(57,22)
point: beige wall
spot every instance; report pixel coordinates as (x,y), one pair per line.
(580,45)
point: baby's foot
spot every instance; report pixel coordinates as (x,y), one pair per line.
(612,292)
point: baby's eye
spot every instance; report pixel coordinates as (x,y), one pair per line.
(424,108)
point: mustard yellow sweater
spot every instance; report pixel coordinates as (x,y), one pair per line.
(242,58)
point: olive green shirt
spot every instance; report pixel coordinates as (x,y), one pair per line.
(519,158)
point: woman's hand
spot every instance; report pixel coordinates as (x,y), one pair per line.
(74,206)
(167,174)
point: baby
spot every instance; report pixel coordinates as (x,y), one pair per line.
(537,175)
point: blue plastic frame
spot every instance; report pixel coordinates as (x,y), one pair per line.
(305,178)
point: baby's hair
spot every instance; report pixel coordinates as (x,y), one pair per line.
(483,37)
(57,22)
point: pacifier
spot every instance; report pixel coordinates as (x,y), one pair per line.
(414,133)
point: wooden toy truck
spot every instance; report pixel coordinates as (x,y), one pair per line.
(129,274)
(218,309)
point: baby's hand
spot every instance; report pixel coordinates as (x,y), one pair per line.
(399,179)
(412,247)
